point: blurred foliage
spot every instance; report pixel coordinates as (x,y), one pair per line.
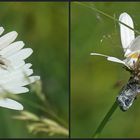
(48,124)
(41,125)
(43,26)
(95,82)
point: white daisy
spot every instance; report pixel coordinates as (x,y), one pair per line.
(130,44)
(13,69)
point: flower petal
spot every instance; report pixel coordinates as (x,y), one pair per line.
(134,47)
(7,39)
(21,55)
(13,90)
(12,48)
(28,65)
(11,104)
(17,64)
(19,81)
(18,90)
(109,58)
(127,35)
(1,30)
(114,59)
(128,52)
(12,76)
(99,54)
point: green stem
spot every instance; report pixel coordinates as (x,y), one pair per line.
(92,8)
(105,120)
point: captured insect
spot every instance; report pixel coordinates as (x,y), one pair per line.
(131,47)
(130,91)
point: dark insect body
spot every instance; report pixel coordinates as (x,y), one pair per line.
(130,91)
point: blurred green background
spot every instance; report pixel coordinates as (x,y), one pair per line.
(43,26)
(94,80)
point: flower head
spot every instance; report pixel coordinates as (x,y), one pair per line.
(130,44)
(131,47)
(14,72)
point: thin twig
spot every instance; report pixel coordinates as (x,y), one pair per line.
(103,13)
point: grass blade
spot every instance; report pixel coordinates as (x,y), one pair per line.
(105,120)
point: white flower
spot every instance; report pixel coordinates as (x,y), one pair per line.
(13,69)
(130,44)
